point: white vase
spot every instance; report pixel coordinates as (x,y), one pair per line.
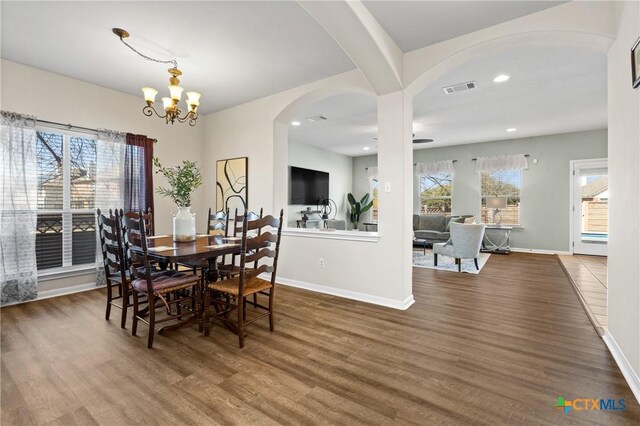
(184,225)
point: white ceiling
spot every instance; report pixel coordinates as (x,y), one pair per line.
(231,52)
(416,24)
(550,91)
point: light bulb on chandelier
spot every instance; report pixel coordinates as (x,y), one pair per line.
(172,111)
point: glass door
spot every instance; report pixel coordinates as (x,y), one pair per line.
(590,207)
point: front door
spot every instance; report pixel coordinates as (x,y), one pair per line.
(590,207)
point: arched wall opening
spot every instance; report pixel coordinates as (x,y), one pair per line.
(351,265)
(281,139)
(562,106)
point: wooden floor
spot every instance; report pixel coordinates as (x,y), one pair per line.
(497,348)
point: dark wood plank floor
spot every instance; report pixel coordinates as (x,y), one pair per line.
(497,349)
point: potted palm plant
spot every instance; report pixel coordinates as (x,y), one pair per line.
(183,180)
(358,208)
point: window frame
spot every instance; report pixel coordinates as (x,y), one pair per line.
(68,268)
(481,197)
(444,197)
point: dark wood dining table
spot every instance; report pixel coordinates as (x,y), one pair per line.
(165,251)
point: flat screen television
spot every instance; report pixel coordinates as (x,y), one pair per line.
(308,186)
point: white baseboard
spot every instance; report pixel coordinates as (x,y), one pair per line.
(539,251)
(47,294)
(348,294)
(627,371)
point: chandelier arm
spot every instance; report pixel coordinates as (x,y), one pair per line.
(148,110)
(188,116)
(148,58)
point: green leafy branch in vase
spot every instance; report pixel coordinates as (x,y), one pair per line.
(183,180)
(358,208)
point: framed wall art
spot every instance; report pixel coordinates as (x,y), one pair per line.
(231,184)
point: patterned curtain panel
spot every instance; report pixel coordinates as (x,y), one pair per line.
(138,173)
(110,161)
(18,208)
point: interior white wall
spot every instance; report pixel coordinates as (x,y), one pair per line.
(624,183)
(53,97)
(340,172)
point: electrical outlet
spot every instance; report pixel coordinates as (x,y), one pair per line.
(387,187)
(321,263)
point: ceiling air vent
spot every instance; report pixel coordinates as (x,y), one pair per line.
(316,118)
(460,87)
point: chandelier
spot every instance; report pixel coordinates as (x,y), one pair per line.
(172,111)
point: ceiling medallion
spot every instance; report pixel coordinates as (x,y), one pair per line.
(171,110)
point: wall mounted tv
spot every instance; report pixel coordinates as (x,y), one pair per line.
(308,186)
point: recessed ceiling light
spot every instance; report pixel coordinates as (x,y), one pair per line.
(366,148)
(295,123)
(511,129)
(501,78)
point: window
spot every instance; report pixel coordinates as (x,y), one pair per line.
(435,193)
(505,184)
(373,190)
(66,233)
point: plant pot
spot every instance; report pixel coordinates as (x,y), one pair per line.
(184,225)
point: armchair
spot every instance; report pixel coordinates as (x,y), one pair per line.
(465,243)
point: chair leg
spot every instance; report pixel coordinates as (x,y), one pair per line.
(244,309)
(459,265)
(271,309)
(435,259)
(125,306)
(255,300)
(205,312)
(241,321)
(136,312)
(475,260)
(198,298)
(152,323)
(109,299)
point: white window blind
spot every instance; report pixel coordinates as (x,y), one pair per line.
(503,184)
(66,164)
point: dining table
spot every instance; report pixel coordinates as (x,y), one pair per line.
(208,248)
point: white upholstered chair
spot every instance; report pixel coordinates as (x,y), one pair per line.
(465,243)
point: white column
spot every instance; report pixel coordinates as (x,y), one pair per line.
(395,166)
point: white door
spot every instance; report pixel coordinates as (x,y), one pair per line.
(590,207)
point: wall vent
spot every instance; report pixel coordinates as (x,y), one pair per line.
(316,118)
(460,87)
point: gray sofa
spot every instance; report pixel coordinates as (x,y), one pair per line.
(431,228)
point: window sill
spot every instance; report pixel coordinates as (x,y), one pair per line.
(332,235)
(71,271)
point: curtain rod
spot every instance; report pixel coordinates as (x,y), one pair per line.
(415,164)
(475,159)
(71,126)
